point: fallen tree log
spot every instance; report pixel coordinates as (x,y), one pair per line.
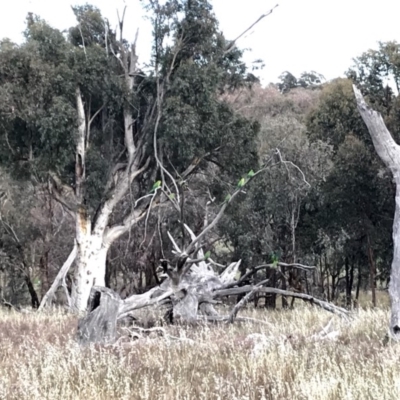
(190,289)
(190,302)
(268,290)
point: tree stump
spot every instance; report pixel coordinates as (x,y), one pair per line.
(100,323)
(186,308)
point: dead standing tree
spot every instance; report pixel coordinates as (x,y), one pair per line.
(389,152)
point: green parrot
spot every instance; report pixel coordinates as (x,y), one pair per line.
(156,186)
(251,173)
(207,255)
(241,183)
(227,198)
(275,260)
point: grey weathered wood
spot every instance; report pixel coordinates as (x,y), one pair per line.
(60,280)
(389,152)
(100,323)
(186,308)
(245,300)
(306,297)
(208,310)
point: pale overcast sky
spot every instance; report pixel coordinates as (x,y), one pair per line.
(300,35)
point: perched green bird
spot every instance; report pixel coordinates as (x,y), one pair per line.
(241,183)
(156,186)
(275,260)
(207,255)
(251,173)
(227,198)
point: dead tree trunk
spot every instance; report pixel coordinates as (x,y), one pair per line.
(100,324)
(389,152)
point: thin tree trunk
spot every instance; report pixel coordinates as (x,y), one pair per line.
(372,272)
(326,271)
(351,280)
(285,303)
(34,297)
(352,273)
(322,277)
(333,277)
(349,283)
(270,301)
(359,279)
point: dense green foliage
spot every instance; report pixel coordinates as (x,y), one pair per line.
(325,198)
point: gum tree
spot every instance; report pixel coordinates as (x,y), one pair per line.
(79,115)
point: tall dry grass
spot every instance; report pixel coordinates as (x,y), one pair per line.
(39,359)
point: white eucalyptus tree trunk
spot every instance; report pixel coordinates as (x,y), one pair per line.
(94,235)
(90,269)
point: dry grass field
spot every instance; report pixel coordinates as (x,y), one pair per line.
(39,359)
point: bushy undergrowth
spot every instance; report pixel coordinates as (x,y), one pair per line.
(39,359)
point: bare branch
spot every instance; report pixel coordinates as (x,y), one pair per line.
(221,318)
(10,230)
(221,212)
(138,301)
(284,162)
(62,193)
(387,149)
(254,270)
(233,43)
(131,219)
(176,247)
(60,278)
(245,300)
(80,31)
(90,123)
(116,195)
(121,23)
(268,290)
(299,266)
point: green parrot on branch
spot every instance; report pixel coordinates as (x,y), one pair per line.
(251,173)
(156,186)
(275,259)
(241,183)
